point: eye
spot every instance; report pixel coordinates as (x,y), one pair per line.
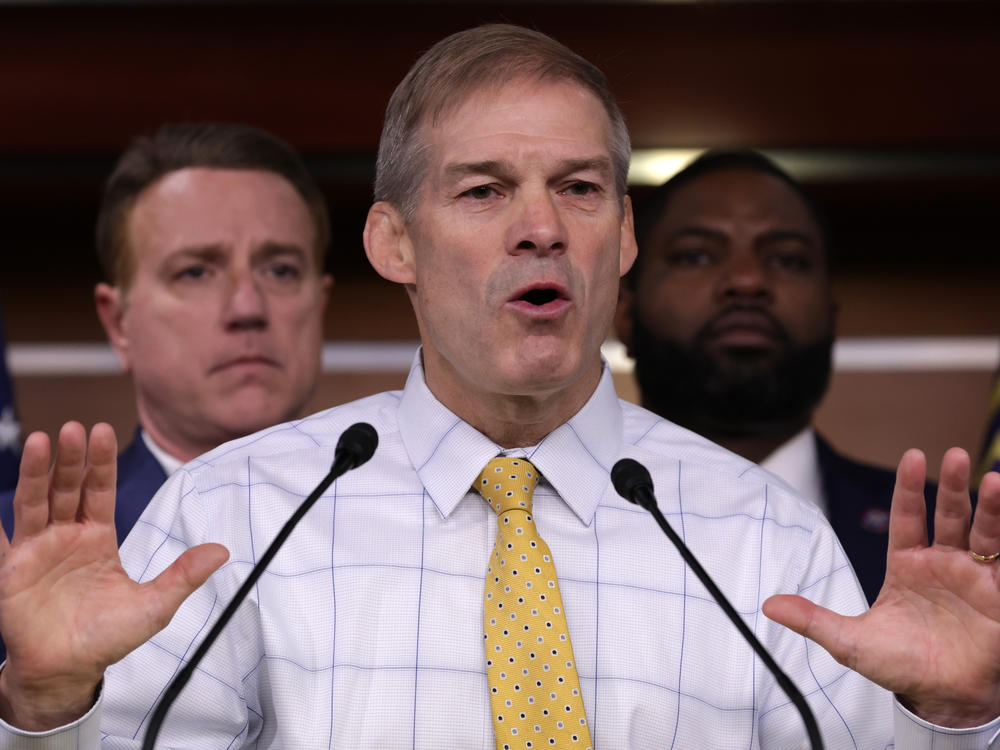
(288,271)
(481,192)
(689,258)
(582,187)
(791,261)
(193,272)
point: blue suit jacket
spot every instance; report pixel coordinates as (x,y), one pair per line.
(858,497)
(139,477)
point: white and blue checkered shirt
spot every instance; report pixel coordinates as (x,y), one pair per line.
(366,630)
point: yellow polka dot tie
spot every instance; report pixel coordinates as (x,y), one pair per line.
(534,688)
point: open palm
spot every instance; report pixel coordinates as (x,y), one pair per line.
(933,635)
(67,608)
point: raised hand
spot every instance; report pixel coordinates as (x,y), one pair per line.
(67,608)
(933,635)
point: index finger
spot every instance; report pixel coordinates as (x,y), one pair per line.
(31,497)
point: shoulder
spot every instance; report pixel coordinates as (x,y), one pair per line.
(298,439)
(717,498)
(708,478)
(259,479)
(660,438)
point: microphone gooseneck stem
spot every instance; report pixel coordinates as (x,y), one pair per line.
(641,493)
(346,458)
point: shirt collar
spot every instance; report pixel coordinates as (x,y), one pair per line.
(164,459)
(448,454)
(797,462)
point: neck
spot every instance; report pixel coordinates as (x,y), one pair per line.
(514,420)
(752,447)
(169,440)
(181,451)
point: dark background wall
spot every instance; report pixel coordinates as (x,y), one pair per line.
(910,88)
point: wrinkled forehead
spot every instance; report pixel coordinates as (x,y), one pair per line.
(197,206)
(514,115)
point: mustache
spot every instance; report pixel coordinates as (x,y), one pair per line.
(710,328)
(519,275)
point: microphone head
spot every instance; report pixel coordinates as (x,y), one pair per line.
(629,477)
(357,444)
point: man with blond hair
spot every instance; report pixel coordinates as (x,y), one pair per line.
(212,239)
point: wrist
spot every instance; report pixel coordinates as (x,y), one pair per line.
(39,708)
(950,714)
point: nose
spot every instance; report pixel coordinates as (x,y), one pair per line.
(538,226)
(245,307)
(743,277)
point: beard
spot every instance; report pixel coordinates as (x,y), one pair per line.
(738,392)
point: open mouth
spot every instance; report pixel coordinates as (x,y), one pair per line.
(541,301)
(539,297)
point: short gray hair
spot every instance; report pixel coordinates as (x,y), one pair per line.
(480,58)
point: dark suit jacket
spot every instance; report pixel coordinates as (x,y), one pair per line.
(858,497)
(139,477)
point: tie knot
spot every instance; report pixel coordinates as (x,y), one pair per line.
(507,483)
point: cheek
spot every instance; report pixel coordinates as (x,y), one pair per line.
(807,312)
(298,322)
(673,310)
(158,331)
(446,280)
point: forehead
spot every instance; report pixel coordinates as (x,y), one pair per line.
(200,206)
(523,121)
(739,198)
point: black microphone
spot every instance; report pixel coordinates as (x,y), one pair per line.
(356,445)
(632,481)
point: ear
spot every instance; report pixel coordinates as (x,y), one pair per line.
(325,285)
(623,318)
(111,310)
(388,245)
(628,247)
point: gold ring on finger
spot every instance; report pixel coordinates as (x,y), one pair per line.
(983,558)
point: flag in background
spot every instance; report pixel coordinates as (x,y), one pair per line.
(10,430)
(991,445)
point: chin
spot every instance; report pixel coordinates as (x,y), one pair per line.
(251,412)
(543,374)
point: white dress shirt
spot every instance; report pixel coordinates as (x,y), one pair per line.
(366,630)
(797,462)
(168,463)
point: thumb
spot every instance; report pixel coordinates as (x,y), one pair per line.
(175,584)
(816,623)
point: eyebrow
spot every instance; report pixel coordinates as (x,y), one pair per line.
(600,164)
(695,231)
(789,234)
(271,249)
(776,235)
(492,166)
(200,252)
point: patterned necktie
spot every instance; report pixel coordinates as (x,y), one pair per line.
(534,688)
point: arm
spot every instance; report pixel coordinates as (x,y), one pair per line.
(67,608)
(933,635)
